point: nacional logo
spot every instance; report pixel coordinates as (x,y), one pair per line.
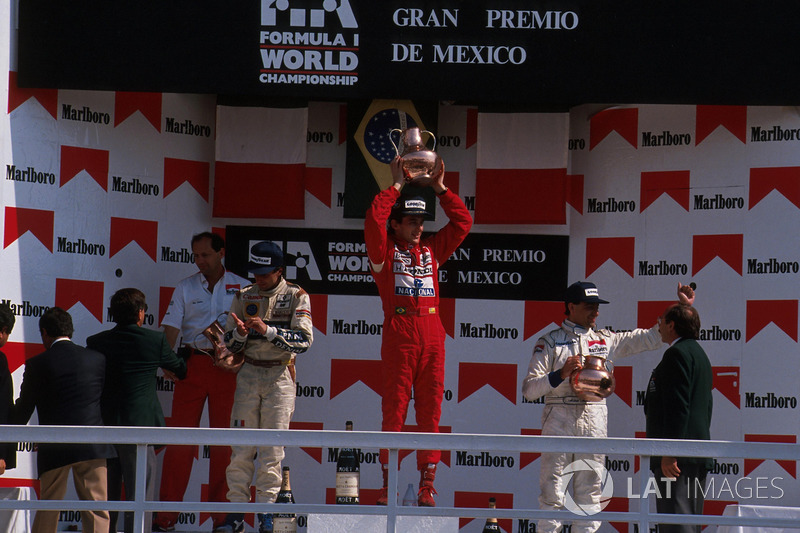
(308,43)
(606,482)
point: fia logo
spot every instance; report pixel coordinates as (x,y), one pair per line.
(303,257)
(307,17)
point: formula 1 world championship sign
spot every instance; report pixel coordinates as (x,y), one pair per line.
(485,266)
(558,51)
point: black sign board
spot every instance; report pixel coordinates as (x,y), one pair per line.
(546,52)
(485,266)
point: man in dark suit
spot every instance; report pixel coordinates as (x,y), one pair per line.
(678,405)
(64,384)
(133,356)
(8,450)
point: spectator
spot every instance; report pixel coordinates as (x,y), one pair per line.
(133,356)
(64,384)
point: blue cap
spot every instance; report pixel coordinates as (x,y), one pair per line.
(410,205)
(265,257)
(583,291)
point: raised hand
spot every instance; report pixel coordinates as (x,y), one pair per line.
(685,294)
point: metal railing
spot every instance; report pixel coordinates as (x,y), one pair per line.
(644,448)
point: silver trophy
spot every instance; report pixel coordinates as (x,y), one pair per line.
(223,358)
(419,163)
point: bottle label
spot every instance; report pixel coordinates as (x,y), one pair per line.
(284,523)
(347,484)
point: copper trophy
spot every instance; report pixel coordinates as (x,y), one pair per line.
(595,381)
(419,163)
(223,358)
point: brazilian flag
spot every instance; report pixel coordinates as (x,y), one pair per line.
(370,148)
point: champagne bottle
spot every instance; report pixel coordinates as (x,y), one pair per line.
(491,523)
(285,522)
(410,497)
(348,474)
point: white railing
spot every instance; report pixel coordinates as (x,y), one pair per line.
(395,442)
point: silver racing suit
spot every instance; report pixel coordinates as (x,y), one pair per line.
(566,415)
(265,386)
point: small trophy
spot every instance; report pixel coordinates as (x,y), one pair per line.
(222,357)
(595,380)
(418,162)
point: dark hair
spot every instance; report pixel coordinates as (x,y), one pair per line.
(686,320)
(7,318)
(395,215)
(217,242)
(125,306)
(56,323)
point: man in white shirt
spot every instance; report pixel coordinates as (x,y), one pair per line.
(197,302)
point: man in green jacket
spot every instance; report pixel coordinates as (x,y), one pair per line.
(133,356)
(678,406)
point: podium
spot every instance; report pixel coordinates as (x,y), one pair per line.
(759,510)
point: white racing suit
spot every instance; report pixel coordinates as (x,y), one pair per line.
(566,415)
(265,386)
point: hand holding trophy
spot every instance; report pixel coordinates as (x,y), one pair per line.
(419,165)
(223,358)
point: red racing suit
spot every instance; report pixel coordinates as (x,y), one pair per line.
(412,347)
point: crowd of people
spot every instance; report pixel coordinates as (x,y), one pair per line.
(267,323)
(112,382)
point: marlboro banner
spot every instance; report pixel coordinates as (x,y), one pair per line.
(104,190)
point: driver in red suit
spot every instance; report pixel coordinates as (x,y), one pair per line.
(405,267)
